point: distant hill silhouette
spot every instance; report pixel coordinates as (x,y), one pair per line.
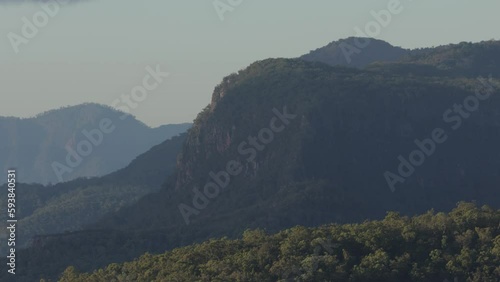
(33,145)
(356,52)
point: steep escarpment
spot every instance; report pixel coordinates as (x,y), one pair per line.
(348,131)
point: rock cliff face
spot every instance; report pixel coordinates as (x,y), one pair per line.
(205,139)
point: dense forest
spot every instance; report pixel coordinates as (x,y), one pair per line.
(463,244)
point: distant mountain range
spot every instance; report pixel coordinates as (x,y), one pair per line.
(289,142)
(68,143)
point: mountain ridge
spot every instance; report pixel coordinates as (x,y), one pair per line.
(355,52)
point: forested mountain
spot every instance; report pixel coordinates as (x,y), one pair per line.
(463,59)
(70,206)
(356,52)
(463,245)
(288,142)
(39,147)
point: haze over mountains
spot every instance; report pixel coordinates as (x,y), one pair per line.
(38,147)
(289,142)
(72,205)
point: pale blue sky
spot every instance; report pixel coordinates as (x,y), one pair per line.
(97,49)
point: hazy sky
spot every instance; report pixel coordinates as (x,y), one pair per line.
(96,50)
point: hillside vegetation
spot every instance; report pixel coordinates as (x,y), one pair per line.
(463,245)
